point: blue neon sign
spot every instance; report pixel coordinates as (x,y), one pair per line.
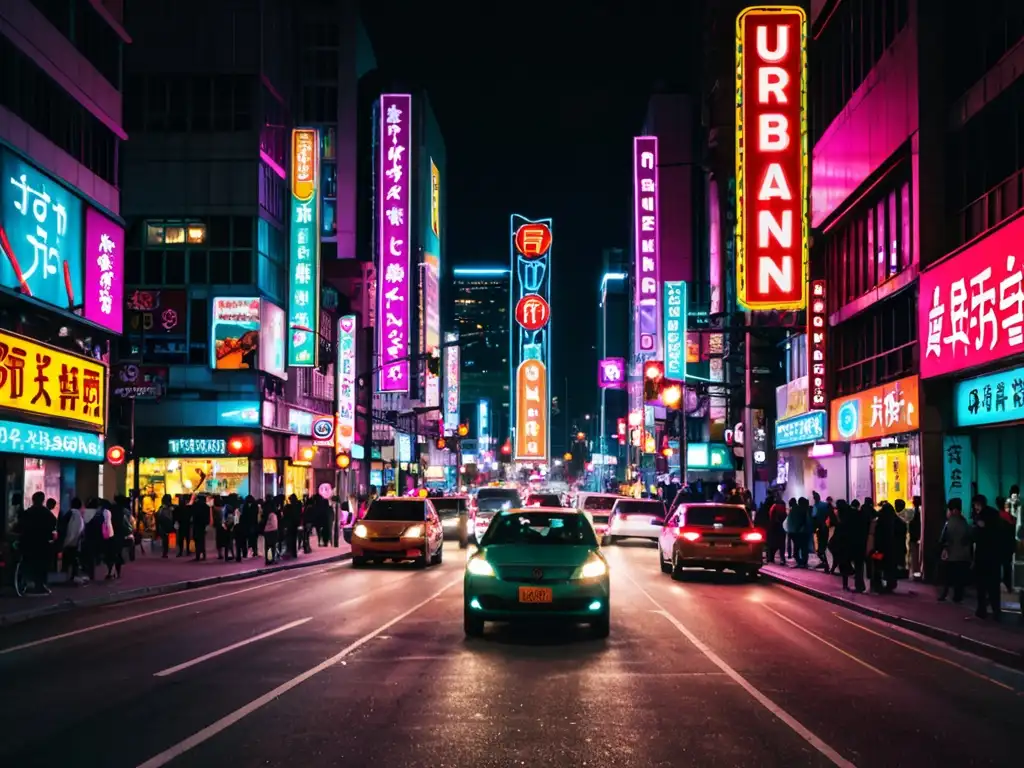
(49,442)
(810,427)
(993,399)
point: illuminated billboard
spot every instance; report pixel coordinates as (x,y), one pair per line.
(771,158)
(346,405)
(645,229)
(235,333)
(394,209)
(677,353)
(817,346)
(530,344)
(452,398)
(304,253)
(104,271)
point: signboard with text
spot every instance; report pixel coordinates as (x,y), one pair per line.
(646,246)
(304,253)
(346,405)
(452,398)
(50,442)
(997,398)
(104,271)
(817,346)
(881,411)
(531,412)
(810,427)
(677,353)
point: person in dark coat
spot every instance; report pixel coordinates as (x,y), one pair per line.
(841,543)
(249,525)
(292,523)
(777,531)
(37,532)
(988,553)
(799,531)
(858,529)
(114,545)
(183,519)
(914,529)
(199,514)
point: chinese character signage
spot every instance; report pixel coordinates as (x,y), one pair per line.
(196,447)
(273,339)
(611,373)
(140,382)
(958,468)
(971,307)
(46,381)
(532,312)
(877,412)
(771,158)
(235,334)
(817,328)
(430,324)
(435,199)
(104,271)
(451,383)
(304,262)
(993,399)
(156,312)
(810,427)
(346,405)
(394,206)
(645,226)
(677,343)
(49,442)
(40,235)
(531,412)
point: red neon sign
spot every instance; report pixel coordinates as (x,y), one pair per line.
(771,158)
(817,351)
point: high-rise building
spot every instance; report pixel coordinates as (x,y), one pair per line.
(61,243)
(481,314)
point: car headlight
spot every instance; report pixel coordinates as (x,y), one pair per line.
(478,566)
(360,531)
(593,568)
(413,532)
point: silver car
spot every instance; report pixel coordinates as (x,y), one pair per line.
(636,519)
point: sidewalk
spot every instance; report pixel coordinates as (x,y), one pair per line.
(915,606)
(150,574)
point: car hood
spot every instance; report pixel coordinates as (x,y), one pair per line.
(538,554)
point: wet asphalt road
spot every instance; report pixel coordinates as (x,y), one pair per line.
(334,666)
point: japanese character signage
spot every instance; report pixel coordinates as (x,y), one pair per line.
(532,312)
(304,262)
(235,333)
(531,412)
(971,307)
(611,373)
(49,442)
(43,380)
(451,383)
(810,427)
(40,235)
(104,271)
(676,341)
(993,399)
(771,158)
(197,447)
(958,468)
(645,226)
(346,405)
(877,412)
(435,199)
(394,205)
(817,328)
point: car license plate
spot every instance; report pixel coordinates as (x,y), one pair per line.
(535,595)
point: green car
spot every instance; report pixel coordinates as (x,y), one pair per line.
(538,563)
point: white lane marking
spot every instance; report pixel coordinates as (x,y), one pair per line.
(794,725)
(227,721)
(932,656)
(823,641)
(222,651)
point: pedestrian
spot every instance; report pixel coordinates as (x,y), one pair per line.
(72,539)
(955,553)
(270,527)
(987,557)
(199,513)
(292,523)
(789,536)
(820,515)
(183,519)
(777,531)
(890,548)
(1007,536)
(92,539)
(165,523)
(799,531)
(37,531)
(115,533)
(914,534)
(249,526)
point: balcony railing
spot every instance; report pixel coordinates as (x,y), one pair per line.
(990,210)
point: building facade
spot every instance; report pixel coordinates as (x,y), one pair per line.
(62,240)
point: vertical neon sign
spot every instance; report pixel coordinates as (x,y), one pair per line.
(645,226)
(346,405)
(675,330)
(304,265)
(452,398)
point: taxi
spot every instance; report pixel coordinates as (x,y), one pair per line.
(540,562)
(716,536)
(397,528)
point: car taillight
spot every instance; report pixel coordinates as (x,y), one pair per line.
(753,536)
(689,535)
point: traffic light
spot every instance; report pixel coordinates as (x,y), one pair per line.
(441,443)
(654,374)
(115,455)
(343,461)
(463,430)
(240,445)
(671,394)
(434,365)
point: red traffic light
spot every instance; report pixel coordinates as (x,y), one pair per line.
(463,430)
(240,445)
(343,461)
(115,455)
(506,449)
(654,370)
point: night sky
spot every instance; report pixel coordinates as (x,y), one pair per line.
(538,105)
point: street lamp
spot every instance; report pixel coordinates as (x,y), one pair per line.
(603,306)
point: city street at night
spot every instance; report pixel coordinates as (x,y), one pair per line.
(371,667)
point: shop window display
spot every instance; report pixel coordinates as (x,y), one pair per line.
(219,476)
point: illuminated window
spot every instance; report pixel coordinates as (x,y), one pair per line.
(154,234)
(196,233)
(174,235)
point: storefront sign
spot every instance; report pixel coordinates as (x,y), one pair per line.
(809,427)
(971,307)
(49,442)
(531,411)
(157,312)
(197,447)
(46,381)
(104,271)
(993,399)
(958,468)
(304,261)
(237,413)
(322,431)
(452,397)
(892,475)
(708,456)
(394,208)
(791,398)
(677,342)
(771,158)
(273,340)
(611,373)
(40,235)
(346,405)
(817,347)
(645,228)
(235,333)
(300,422)
(140,382)
(877,412)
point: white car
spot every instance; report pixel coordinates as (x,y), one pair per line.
(598,507)
(636,519)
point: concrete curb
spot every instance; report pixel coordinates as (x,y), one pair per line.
(168,588)
(1003,656)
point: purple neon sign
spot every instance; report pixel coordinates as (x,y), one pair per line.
(611,373)
(394,207)
(645,224)
(104,271)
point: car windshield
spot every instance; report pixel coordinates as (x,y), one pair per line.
(393,510)
(727,517)
(599,502)
(637,507)
(540,528)
(492,499)
(449,507)
(544,500)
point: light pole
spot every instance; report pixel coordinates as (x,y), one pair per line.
(603,307)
